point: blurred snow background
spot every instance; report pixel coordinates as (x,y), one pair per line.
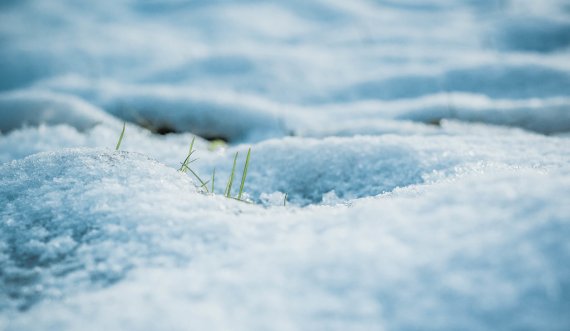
(423,146)
(182,65)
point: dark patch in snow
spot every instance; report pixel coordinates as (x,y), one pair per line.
(164,130)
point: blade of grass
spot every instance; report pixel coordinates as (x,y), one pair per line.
(213,179)
(121,136)
(231,179)
(285,200)
(184,166)
(244,175)
(202,183)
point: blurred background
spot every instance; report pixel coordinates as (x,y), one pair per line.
(248,69)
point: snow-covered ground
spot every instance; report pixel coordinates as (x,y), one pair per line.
(423,149)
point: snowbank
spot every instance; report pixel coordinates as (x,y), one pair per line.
(64,212)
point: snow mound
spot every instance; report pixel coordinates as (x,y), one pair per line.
(169,149)
(212,116)
(63,214)
(162,108)
(29,107)
(118,241)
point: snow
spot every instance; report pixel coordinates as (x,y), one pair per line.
(25,108)
(120,236)
(410,165)
(267,66)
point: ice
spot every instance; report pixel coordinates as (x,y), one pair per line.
(410,165)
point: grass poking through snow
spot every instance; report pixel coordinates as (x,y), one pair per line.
(213,180)
(228,192)
(185,167)
(244,174)
(121,137)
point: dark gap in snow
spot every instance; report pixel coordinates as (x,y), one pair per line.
(164,130)
(435,122)
(213,138)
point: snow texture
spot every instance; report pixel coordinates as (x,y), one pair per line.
(117,235)
(410,165)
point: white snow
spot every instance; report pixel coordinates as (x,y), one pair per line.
(118,236)
(410,165)
(27,108)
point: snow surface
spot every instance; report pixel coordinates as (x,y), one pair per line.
(422,150)
(270,68)
(117,235)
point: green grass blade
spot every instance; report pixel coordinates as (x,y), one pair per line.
(285,200)
(231,179)
(213,179)
(202,183)
(244,175)
(185,164)
(184,167)
(192,145)
(191,151)
(121,136)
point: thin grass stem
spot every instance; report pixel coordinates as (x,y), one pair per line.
(121,136)
(202,183)
(191,151)
(244,174)
(231,179)
(213,179)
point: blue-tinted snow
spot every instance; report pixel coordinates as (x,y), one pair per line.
(427,172)
(94,239)
(263,64)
